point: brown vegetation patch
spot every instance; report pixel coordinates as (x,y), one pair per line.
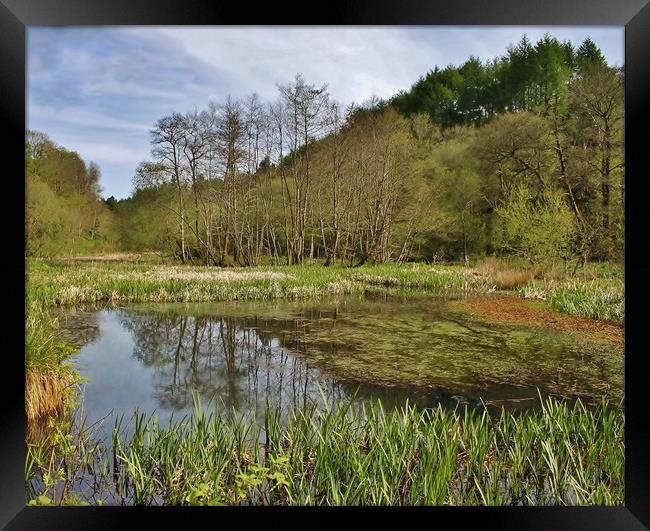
(509,309)
(511,278)
(45,393)
(501,276)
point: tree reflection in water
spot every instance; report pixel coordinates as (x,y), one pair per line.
(242,363)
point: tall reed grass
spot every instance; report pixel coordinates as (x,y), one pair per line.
(350,454)
(591,300)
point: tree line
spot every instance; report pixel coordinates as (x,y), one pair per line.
(520,155)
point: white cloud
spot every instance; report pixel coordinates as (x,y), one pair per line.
(108,152)
(355,62)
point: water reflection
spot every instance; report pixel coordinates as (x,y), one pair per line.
(238,362)
(245,355)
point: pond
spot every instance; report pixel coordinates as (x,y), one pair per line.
(244,355)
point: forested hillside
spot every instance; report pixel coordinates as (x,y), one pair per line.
(522,155)
(65,213)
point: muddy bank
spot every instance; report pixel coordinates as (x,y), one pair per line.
(514,310)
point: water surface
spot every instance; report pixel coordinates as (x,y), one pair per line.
(246,354)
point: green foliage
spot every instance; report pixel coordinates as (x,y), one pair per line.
(46,218)
(460,190)
(146,220)
(540,229)
(527,77)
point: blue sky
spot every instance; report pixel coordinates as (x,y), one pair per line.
(99,90)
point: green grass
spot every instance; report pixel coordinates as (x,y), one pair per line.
(69,283)
(48,376)
(43,348)
(353,455)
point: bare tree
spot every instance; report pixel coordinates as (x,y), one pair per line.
(231,145)
(195,146)
(304,106)
(167,141)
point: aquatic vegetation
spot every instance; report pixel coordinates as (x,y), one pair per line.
(347,455)
(531,312)
(65,456)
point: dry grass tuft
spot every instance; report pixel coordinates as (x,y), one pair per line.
(46,393)
(109,257)
(511,278)
(219,275)
(502,276)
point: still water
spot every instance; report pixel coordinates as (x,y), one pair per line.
(243,355)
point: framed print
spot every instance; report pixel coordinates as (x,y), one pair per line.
(374,262)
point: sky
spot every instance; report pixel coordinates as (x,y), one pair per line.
(99,90)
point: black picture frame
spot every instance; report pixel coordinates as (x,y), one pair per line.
(16,15)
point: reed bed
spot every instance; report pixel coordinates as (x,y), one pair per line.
(352,454)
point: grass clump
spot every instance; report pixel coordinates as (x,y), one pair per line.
(48,377)
(511,279)
(504,274)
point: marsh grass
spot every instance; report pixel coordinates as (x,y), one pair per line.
(60,284)
(350,454)
(49,379)
(595,292)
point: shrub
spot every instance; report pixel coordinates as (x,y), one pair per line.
(541,229)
